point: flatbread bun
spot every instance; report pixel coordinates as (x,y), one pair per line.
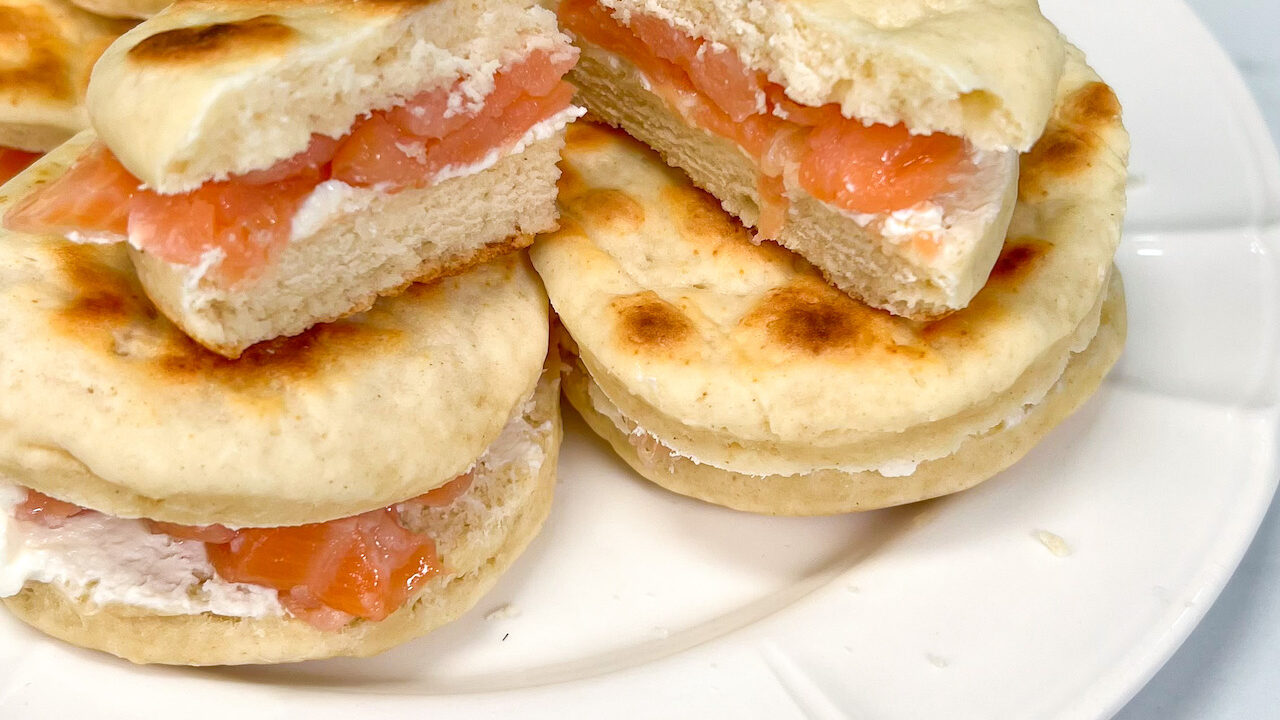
(205,89)
(478,537)
(47,48)
(986,70)
(830,491)
(739,356)
(110,406)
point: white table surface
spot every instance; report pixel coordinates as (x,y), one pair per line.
(1230,666)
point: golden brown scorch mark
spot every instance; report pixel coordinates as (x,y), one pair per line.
(1018,257)
(648,324)
(107,306)
(810,318)
(610,209)
(586,135)
(1073,143)
(264,34)
(41,70)
(1091,107)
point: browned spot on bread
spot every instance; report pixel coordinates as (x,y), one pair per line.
(280,360)
(33,56)
(1073,143)
(810,318)
(612,209)
(1091,107)
(702,221)
(1017,259)
(959,329)
(647,323)
(220,41)
(107,311)
(586,135)
(102,296)
(570,184)
(1058,154)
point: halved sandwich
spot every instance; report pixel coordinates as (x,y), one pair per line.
(732,372)
(334,493)
(274,165)
(47,48)
(880,141)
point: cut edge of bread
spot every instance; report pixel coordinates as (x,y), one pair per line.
(882,269)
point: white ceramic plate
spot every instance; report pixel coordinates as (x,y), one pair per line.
(635,602)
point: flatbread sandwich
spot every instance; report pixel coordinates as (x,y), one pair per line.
(276,164)
(732,372)
(333,493)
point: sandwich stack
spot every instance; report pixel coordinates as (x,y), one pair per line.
(217,444)
(949,299)
(283,384)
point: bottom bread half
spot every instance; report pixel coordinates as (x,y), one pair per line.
(831,491)
(486,537)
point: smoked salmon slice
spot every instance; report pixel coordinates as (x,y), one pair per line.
(246,220)
(91,197)
(855,167)
(50,512)
(13,162)
(364,566)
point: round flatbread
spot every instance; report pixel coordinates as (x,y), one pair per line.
(107,405)
(830,491)
(47,48)
(739,357)
(478,537)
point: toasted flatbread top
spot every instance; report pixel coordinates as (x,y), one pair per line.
(986,70)
(47,49)
(206,88)
(667,297)
(108,405)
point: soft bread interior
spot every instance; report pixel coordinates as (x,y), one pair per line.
(204,90)
(374,246)
(880,269)
(478,536)
(832,491)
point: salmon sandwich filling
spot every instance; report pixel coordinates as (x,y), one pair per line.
(731,371)
(800,129)
(329,155)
